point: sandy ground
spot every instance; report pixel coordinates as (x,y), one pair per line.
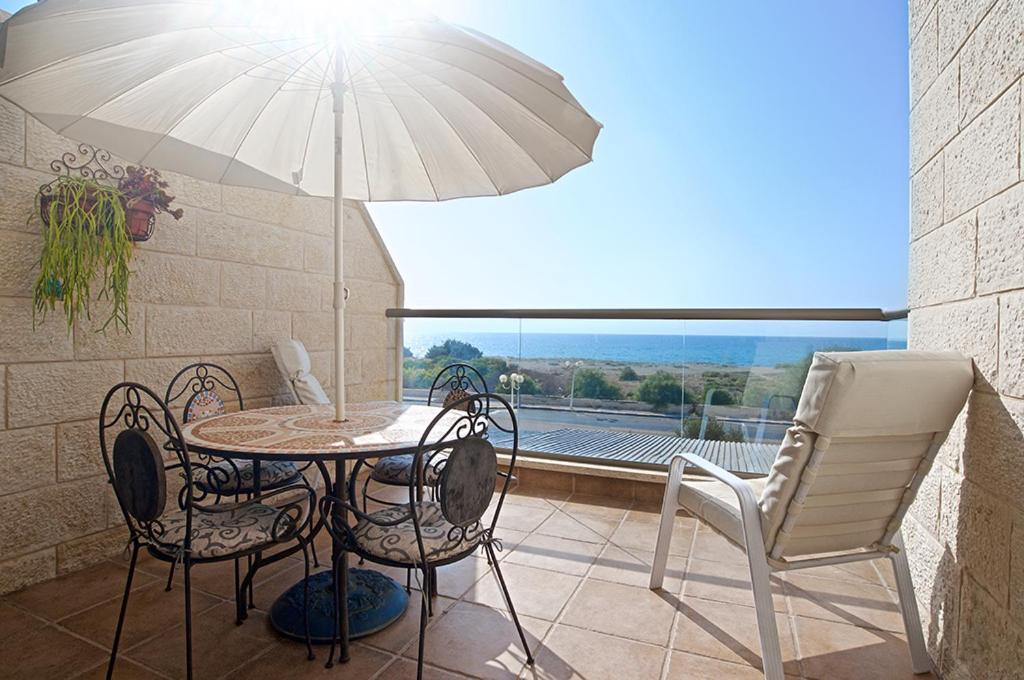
(612,371)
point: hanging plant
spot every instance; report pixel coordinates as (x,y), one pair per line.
(145,194)
(84,232)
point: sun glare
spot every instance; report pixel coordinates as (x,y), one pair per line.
(331,19)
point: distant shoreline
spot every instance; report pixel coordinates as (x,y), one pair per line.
(732,351)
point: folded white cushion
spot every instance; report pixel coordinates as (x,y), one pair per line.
(293,361)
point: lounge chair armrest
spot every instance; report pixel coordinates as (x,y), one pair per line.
(750,511)
(743,490)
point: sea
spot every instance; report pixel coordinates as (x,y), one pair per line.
(728,350)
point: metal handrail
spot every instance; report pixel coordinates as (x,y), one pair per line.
(693,313)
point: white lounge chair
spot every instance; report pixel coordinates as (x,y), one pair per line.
(292,360)
(866,431)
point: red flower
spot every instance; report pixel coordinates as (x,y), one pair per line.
(146,184)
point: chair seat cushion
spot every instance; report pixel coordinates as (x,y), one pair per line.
(716,504)
(441,539)
(231,477)
(228,530)
(397,470)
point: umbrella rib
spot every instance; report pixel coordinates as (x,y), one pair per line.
(180,64)
(359,121)
(260,113)
(491,84)
(241,25)
(499,125)
(452,127)
(312,117)
(201,102)
(100,48)
(408,132)
(95,10)
(485,56)
(267,41)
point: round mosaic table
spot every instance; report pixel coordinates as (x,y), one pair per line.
(310,433)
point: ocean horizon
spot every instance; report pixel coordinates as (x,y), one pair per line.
(729,350)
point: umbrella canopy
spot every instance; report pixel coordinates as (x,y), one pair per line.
(415,110)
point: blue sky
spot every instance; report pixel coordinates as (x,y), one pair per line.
(754,155)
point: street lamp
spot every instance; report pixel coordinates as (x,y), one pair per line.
(512,382)
(572,390)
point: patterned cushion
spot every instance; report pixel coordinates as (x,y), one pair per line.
(453,396)
(397,470)
(397,543)
(204,404)
(221,477)
(228,530)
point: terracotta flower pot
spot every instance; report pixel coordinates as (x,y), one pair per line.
(86,202)
(140,214)
(140,217)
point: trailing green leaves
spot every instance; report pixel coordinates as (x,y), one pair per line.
(83,232)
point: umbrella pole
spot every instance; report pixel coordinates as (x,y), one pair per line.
(339,239)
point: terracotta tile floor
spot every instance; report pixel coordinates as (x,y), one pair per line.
(577,568)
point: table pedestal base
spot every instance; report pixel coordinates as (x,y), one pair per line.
(375,601)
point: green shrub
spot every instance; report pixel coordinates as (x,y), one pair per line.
(454,349)
(420,373)
(661,389)
(591,384)
(719,396)
(629,375)
(715,430)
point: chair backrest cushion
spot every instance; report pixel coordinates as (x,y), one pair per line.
(293,362)
(454,396)
(140,481)
(204,404)
(466,484)
(865,434)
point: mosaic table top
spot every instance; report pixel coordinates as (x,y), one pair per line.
(311,433)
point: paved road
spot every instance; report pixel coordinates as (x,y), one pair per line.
(539,419)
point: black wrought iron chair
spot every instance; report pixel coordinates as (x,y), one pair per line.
(202,390)
(426,534)
(140,441)
(454,381)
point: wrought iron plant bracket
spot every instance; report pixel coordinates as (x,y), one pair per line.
(90,163)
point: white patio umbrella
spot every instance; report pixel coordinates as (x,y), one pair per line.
(411,110)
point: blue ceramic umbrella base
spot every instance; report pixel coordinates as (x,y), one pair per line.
(375,601)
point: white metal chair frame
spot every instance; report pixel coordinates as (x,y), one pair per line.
(867,430)
(761,565)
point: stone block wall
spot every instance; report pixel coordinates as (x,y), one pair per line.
(965,533)
(240,270)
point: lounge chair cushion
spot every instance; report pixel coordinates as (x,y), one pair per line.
(876,420)
(228,530)
(441,539)
(232,477)
(883,392)
(715,503)
(397,470)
